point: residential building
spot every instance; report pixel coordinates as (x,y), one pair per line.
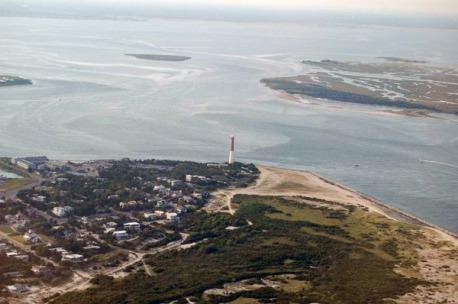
(31,163)
(120,235)
(22,257)
(172,216)
(17,288)
(62,211)
(110,225)
(11,253)
(72,257)
(31,237)
(132,226)
(41,270)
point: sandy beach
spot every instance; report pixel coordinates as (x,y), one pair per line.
(436,249)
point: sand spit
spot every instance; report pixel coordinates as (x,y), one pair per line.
(437,249)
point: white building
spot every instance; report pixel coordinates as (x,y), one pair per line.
(62,211)
(172,216)
(149,215)
(22,257)
(3,246)
(39,198)
(31,163)
(132,226)
(120,235)
(91,248)
(109,230)
(159,213)
(60,250)
(110,225)
(159,188)
(17,288)
(41,270)
(31,237)
(72,257)
(11,253)
(175,183)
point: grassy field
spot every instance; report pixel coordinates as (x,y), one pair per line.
(11,184)
(370,230)
(243,300)
(6,165)
(16,183)
(13,234)
(8,230)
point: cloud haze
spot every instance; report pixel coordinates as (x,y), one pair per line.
(411,6)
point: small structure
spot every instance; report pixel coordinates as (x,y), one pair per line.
(175,183)
(109,230)
(132,226)
(22,257)
(172,216)
(62,211)
(39,198)
(13,274)
(72,257)
(149,215)
(3,246)
(31,237)
(120,235)
(110,225)
(159,188)
(41,270)
(12,253)
(17,288)
(60,250)
(91,248)
(159,213)
(31,163)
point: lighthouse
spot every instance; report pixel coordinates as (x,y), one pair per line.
(232,150)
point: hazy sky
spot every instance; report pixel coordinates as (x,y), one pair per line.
(412,6)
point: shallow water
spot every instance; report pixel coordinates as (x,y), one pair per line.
(90,101)
(4,174)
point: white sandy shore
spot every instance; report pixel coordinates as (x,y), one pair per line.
(284,182)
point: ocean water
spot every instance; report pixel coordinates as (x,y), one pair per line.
(90,101)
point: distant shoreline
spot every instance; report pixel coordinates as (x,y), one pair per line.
(158,57)
(386,83)
(9,81)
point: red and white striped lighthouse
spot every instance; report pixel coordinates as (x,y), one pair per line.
(232,150)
